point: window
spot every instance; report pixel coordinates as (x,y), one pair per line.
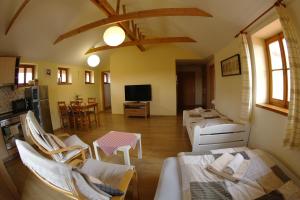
(106,77)
(279,71)
(62,75)
(25,74)
(88,77)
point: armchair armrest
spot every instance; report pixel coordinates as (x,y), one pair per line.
(70,148)
(124,183)
(62,135)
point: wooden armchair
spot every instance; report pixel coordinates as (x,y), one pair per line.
(73,183)
(60,150)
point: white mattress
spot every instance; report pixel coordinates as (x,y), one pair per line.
(169,185)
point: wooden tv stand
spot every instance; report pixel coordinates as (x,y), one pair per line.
(137,109)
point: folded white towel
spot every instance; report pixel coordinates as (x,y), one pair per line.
(218,166)
(220,163)
(234,165)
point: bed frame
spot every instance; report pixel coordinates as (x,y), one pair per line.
(216,136)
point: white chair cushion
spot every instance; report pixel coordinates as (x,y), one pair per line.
(74,140)
(109,173)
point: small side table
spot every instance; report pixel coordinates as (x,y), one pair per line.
(125,149)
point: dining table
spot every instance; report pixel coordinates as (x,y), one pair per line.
(85,110)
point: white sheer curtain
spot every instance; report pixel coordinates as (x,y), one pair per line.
(292,137)
(246,100)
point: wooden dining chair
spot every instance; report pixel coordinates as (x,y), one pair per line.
(91,100)
(79,115)
(74,103)
(64,114)
(79,100)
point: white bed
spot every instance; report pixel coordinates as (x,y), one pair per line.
(170,185)
(213,130)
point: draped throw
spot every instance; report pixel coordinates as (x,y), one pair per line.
(246,99)
(292,137)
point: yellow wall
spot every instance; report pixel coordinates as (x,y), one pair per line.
(268,128)
(228,89)
(64,92)
(156,66)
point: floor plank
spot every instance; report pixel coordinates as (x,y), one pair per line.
(162,137)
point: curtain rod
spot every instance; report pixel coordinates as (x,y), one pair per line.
(277,3)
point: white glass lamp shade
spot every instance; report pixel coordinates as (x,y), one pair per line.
(114,36)
(93,60)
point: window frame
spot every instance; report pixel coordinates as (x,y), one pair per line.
(277,102)
(25,66)
(90,77)
(60,70)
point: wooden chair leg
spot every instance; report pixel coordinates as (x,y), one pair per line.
(136,194)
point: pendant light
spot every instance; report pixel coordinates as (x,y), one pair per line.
(93,60)
(114,36)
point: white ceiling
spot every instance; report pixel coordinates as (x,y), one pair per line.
(42,21)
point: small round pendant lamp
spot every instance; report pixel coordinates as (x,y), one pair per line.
(114,36)
(93,60)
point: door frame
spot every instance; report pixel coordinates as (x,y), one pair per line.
(102,88)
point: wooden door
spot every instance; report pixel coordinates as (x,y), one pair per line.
(185,90)
(209,86)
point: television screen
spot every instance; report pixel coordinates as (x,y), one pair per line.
(138,93)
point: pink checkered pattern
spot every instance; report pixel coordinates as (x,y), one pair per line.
(114,139)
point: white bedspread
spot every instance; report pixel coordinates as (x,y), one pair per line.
(263,177)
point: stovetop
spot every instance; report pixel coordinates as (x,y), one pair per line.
(8,115)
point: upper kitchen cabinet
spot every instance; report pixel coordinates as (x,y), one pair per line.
(8,69)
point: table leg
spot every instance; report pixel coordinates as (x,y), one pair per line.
(126,157)
(96,150)
(140,152)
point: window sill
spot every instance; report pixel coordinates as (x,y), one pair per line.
(89,83)
(64,83)
(276,109)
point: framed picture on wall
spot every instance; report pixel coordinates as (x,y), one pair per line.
(231,66)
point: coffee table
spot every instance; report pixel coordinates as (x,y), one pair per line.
(125,148)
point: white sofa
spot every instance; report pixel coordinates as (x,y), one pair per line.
(209,129)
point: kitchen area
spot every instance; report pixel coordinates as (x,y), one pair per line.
(15,101)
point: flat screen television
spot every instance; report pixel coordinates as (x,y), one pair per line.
(138,93)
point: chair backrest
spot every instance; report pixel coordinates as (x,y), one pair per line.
(55,174)
(91,100)
(61,103)
(39,136)
(62,108)
(74,103)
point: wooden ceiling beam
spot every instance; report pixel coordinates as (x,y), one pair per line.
(130,16)
(104,5)
(118,6)
(144,42)
(13,19)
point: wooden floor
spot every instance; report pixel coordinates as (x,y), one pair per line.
(162,137)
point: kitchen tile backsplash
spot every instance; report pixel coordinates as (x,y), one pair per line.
(7,95)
